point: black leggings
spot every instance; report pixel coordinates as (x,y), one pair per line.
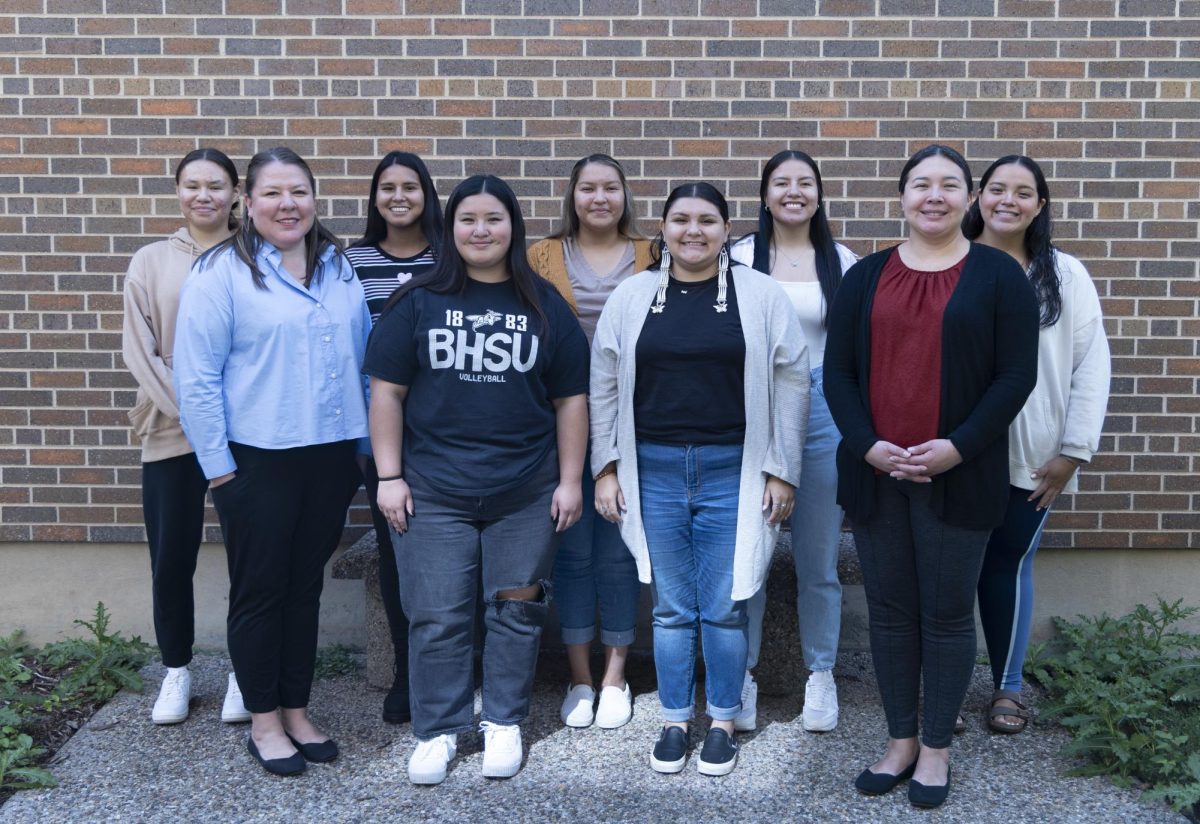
(389,579)
(920,575)
(173,492)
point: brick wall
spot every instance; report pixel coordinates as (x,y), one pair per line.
(100,97)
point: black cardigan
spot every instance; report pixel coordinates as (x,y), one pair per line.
(989,367)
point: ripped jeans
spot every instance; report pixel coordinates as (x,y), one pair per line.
(506,541)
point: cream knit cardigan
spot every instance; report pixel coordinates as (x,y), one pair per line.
(776,390)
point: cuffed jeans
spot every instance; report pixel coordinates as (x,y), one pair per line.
(506,540)
(594,566)
(173,492)
(282,517)
(689,502)
(919,574)
(816,527)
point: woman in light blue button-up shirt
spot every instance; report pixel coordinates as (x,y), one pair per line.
(268,355)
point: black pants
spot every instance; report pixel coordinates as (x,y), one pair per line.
(282,517)
(173,505)
(920,575)
(389,579)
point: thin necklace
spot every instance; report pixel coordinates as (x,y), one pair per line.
(795,263)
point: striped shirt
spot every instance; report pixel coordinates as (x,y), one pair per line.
(381,274)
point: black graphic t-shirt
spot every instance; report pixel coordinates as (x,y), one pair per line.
(481,377)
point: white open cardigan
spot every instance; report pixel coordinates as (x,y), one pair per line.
(776,390)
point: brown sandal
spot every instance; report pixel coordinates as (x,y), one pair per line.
(1020,711)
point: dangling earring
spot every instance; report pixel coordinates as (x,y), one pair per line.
(664,276)
(722,275)
(665,262)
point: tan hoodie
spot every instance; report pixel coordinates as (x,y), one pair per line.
(152,286)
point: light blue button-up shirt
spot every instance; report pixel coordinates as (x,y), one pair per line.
(274,368)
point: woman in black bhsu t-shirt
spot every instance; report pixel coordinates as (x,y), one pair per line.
(479,377)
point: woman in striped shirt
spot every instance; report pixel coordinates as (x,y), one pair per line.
(404,227)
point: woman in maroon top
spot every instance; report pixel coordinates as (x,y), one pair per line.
(932,350)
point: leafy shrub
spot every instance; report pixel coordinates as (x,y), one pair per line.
(71,674)
(1128,689)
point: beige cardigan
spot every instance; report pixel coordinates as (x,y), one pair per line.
(152,285)
(776,397)
(548,260)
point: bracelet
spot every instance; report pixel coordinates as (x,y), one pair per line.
(612,470)
(391,478)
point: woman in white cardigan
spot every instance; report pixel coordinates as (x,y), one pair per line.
(699,399)
(1058,429)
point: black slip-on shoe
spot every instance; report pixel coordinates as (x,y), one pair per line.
(292,765)
(926,797)
(719,754)
(320,752)
(670,753)
(872,783)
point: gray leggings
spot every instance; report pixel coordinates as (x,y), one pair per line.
(920,575)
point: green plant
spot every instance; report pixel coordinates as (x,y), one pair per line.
(334,661)
(100,666)
(1128,689)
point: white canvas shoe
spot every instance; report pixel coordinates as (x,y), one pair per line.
(501,750)
(577,706)
(747,719)
(171,706)
(820,703)
(615,707)
(234,711)
(428,763)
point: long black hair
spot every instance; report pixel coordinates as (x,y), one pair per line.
(568,224)
(449,273)
(828,263)
(1039,249)
(704,191)
(432,224)
(247,242)
(221,159)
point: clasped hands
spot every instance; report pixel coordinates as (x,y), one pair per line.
(916,463)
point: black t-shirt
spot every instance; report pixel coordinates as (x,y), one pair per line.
(381,273)
(481,375)
(691,361)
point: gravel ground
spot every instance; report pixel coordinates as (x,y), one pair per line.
(122,768)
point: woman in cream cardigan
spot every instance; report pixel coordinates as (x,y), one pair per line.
(699,398)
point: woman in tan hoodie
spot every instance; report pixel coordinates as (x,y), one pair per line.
(173,487)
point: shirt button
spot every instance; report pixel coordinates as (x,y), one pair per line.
(337,411)
(326,338)
(333,374)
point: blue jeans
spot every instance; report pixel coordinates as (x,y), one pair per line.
(594,565)
(816,526)
(504,541)
(689,501)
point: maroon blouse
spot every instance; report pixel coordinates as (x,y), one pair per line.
(906,350)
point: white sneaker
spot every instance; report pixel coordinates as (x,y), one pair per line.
(747,719)
(234,711)
(820,702)
(427,764)
(615,707)
(501,749)
(577,706)
(171,706)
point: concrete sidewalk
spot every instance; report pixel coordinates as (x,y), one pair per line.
(120,767)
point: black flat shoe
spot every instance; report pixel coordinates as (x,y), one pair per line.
(872,783)
(395,704)
(292,765)
(320,752)
(926,797)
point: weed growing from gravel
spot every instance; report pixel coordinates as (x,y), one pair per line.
(1128,689)
(335,661)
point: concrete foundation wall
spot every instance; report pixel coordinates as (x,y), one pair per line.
(44,587)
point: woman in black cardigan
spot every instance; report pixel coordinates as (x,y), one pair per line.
(932,350)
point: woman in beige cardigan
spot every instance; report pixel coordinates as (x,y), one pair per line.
(173,487)
(596,247)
